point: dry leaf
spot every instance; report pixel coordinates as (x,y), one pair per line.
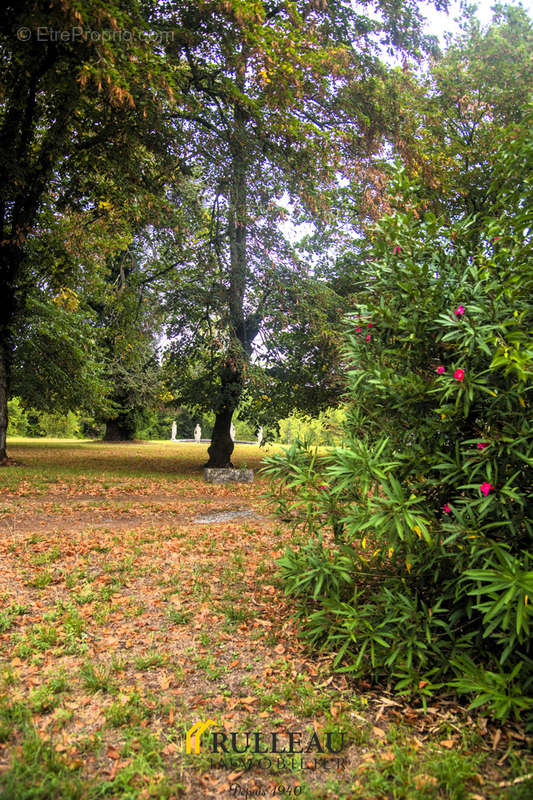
(423,781)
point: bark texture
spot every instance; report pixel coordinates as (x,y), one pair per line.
(221,446)
(242,335)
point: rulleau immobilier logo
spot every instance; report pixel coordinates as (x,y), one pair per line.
(240,749)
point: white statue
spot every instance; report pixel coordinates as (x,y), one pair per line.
(174,431)
(232,432)
(260,434)
(197,433)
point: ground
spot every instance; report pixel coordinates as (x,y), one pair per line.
(130,610)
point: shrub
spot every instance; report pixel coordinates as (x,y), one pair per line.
(18,418)
(60,425)
(432,494)
(326,429)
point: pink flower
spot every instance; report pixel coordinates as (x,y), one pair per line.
(398,250)
(459,311)
(357,330)
(482,445)
(446,508)
(459,374)
(485,488)
(322,486)
(370,324)
(367,338)
(496,239)
(440,370)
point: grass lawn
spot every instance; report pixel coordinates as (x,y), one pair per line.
(127,615)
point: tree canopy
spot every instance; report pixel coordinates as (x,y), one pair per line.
(194,132)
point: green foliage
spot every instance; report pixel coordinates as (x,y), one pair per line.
(326,429)
(60,426)
(433,490)
(451,123)
(18,418)
(31,422)
(299,494)
(57,366)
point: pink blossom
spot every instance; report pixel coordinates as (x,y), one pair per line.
(459,374)
(398,250)
(440,370)
(323,486)
(357,330)
(496,239)
(459,311)
(370,324)
(367,338)
(485,488)
(482,445)
(446,508)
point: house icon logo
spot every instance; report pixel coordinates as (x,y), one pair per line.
(194,735)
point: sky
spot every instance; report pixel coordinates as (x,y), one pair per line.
(439,23)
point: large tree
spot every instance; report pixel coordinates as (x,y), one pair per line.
(130,325)
(80,121)
(278,97)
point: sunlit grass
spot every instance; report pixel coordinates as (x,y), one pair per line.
(47,460)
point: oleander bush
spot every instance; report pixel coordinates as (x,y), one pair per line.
(427,581)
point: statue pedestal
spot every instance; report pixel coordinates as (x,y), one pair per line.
(227,475)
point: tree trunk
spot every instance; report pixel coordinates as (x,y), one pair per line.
(221,446)
(117,430)
(231,375)
(11,300)
(4,393)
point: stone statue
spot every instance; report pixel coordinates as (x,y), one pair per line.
(260,434)
(232,432)
(197,433)
(174,431)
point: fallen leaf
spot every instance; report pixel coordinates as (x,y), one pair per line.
(423,781)
(449,743)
